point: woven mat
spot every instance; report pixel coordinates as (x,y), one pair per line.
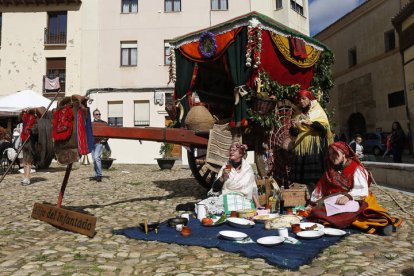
(220,140)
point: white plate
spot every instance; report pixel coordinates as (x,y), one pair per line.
(304,225)
(263,218)
(233,235)
(270,240)
(333,232)
(240,222)
(310,234)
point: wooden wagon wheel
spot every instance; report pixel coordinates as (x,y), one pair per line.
(44,151)
(196,161)
(279,141)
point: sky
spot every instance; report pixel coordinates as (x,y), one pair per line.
(322,13)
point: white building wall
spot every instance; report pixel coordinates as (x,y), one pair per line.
(23,54)
(150,27)
(94,33)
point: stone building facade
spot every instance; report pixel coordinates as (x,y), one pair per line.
(369,89)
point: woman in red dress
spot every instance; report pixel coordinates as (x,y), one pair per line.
(346,176)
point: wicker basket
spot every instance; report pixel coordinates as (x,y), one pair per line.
(199,119)
(294,197)
(262,106)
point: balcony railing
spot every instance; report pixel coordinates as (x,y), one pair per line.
(141,122)
(50,93)
(55,38)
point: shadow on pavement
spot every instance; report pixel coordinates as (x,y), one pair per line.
(178,188)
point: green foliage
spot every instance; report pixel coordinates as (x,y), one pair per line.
(106,154)
(166,149)
(271,89)
(266,121)
(322,78)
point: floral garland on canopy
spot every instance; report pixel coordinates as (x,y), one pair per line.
(254,46)
(207,45)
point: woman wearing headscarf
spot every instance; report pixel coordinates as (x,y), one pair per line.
(235,178)
(312,135)
(348,180)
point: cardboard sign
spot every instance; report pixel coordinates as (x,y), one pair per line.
(73,221)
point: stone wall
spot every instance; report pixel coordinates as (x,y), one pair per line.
(398,176)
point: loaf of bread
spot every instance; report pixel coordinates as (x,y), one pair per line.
(282,221)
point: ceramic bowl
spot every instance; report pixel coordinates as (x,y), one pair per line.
(172,222)
(152,225)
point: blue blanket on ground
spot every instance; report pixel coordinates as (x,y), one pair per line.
(287,256)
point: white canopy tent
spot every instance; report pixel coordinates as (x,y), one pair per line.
(15,103)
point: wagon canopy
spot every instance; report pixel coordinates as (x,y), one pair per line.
(223,60)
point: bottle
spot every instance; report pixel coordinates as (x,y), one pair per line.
(281,202)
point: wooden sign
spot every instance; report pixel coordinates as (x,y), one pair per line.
(73,221)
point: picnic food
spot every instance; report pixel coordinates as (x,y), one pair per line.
(221,219)
(207,221)
(312,227)
(282,221)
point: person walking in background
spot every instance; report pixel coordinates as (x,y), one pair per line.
(356,146)
(397,142)
(97,151)
(29,120)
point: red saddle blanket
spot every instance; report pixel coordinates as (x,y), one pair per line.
(28,122)
(62,123)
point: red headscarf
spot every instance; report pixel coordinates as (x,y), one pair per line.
(331,174)
(305,93)
(345,149)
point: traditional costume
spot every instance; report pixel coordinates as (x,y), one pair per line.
(351,180)
(236,192)
(311,142)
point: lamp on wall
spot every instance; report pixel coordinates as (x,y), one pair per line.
(158,98)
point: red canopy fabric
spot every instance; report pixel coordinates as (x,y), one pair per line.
(281,70)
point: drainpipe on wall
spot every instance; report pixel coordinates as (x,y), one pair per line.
(407,109)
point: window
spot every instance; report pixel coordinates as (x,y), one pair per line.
(167,53)
(115,117)
(389,40)
(55,33)
(279,4)
(396,99)
(297,6)
(141,113)
(352,57)
(129,6)
(129,53)
(172,5)
(217,5)
(56,67)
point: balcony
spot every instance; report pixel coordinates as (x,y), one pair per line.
(38,2)
(141,123)
(50,93)
(58,39)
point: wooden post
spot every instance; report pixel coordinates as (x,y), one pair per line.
(64,183)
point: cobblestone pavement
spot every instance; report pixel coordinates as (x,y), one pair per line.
(132,192)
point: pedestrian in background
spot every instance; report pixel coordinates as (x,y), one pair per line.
(356,146)
(97,151)
(397,142)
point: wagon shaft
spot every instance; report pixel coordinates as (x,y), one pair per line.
(157,134)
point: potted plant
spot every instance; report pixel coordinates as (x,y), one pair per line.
(166,162)
(106,159)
